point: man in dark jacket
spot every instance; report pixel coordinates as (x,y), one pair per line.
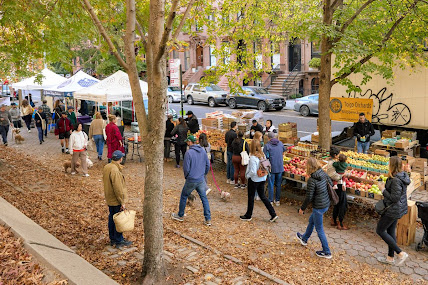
(40,120)
(274,150)
(195,166)
(167,139)
(229,137)
(5,122)
(63,131)
(363,130)
(256,127)
(317,194)
(47,112)
(192,122)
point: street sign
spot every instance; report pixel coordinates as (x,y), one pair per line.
(174,69)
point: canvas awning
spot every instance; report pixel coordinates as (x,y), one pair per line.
(76,82)
(49,80)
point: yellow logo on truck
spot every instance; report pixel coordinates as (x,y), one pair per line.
(348,109)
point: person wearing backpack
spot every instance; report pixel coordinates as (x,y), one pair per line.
(395,201)
(317,194)
(256,175)
(274,151)
(239,145)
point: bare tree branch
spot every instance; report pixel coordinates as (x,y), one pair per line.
(380,46)
(103,32)
(167,32)
(183,20)
(142,33)
(336,4)
(353,17)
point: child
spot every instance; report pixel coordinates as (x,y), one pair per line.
(340,167)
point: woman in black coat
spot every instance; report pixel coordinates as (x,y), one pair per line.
(317,195)
(395,199)
(180,146)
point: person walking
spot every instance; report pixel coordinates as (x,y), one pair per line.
(180,146)
(40,122)
(239,145)
(274,151)
(167,138)
(72,116)
(317,194)
(78,145)
(256,183)
(203,142)
(27,112)
(363,130)
(195,167)
(116,196)
(58,109)
(15,114)
(114,138)
(229,137)
(5,122)
(63,131)
(96,133)
(192,122)
(340,208)
(48,115)
(395,200)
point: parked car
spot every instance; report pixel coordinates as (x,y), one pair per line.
(211,94)
(128,111)
(257,97)
(307,105)
(173,94)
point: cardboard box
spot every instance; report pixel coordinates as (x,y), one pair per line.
(382,152)
(403,143)
(420,163)
(315,138)
(285,135)
(410,160)
(406,234)
(389,134)
(292,140)
(412,214)
(409,135)
(210,122)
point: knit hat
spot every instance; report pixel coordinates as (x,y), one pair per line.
(191,138)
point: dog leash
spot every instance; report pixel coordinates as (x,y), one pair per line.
(215,182)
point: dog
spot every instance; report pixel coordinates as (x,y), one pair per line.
(67,165)
(190,200)
(18,138)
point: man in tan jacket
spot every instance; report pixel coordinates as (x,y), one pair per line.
(116,196)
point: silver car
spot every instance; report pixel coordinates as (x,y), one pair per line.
(307,105)
(211,94)
(173,94)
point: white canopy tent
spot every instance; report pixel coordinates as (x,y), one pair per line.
(76,82)
(48,80)
(115,88)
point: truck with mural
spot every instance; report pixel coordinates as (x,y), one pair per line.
(400,104)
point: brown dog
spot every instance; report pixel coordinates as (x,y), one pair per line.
(18,138)
(67,165)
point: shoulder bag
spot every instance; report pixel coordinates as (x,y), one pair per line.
(264,167)
(43,121)
(245,158)
(332,194)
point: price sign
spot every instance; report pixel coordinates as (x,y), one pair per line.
(174,69)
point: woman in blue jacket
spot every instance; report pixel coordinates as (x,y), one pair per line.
(256,183)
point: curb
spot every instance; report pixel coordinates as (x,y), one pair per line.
(49,251)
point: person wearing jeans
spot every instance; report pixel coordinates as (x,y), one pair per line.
(47,112)
(27,112)
(256,183)
(395,200)
(195,167)
(40,122)
(96,132)
(229,138)
(317,194)
(274,151)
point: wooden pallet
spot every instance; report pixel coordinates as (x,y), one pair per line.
(380,145)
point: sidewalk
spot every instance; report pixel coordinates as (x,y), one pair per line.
(269,247)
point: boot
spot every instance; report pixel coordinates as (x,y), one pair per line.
(333,223)
(342,227)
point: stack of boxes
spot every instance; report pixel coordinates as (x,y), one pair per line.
(287,133)
(406,226)
(388,134)
(420,166)
(210,124)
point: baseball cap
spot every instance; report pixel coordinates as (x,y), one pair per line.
(117,155)
(190,138)
(70,108)
(189,113)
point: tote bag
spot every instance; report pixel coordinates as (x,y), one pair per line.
(245,158)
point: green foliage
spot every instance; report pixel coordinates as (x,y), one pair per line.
(315,62)
(295,96)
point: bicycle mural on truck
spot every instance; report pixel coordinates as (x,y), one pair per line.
(385,112)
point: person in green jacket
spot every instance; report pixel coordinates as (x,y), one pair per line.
(72,116)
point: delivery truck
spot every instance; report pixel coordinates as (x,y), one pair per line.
(398,104)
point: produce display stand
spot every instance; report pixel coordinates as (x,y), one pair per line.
(414,148)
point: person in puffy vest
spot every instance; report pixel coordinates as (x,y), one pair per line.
(63,131)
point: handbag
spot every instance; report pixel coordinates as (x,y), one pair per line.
(332,194)
(245,158)
(124,221)
(264,167)
(43,121)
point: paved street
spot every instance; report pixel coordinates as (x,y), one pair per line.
(305,125)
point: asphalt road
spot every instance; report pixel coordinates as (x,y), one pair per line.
(305,125)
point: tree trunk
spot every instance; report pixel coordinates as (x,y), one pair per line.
(325,82)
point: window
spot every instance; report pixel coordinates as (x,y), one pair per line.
(211,17)
(173,88)
(226,54)
(175,54)
(316,49)
(213,59)
(213,87)
(186,59)
(315,85)
(276,56)
(188,87)
(196,87)
(257,48)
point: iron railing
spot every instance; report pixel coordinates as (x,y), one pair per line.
(289,80)
(278,69)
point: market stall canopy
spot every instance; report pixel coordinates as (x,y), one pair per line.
(76,82)
(49,80)
(114,88)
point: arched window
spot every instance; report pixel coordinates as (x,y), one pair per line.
(315,85)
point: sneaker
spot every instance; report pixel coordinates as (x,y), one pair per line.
(29,131)
(177,166)
(273,219)
(384,260)
(258,198)
(73,173)
(123,243)
(244,218)
(300,238)
(271,203)
(237,186)
(228,181)
(63,150)
(41,142)
(402,259)
(208,223)
(208,191)
(323,254)
(176,217)
(5,144)
(85,175)
(67,151)
(277,203)
(243,186)
(232,182)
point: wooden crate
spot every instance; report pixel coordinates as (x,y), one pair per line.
(412,214)
(406,234)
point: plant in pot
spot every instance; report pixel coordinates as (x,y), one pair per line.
(315,63)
